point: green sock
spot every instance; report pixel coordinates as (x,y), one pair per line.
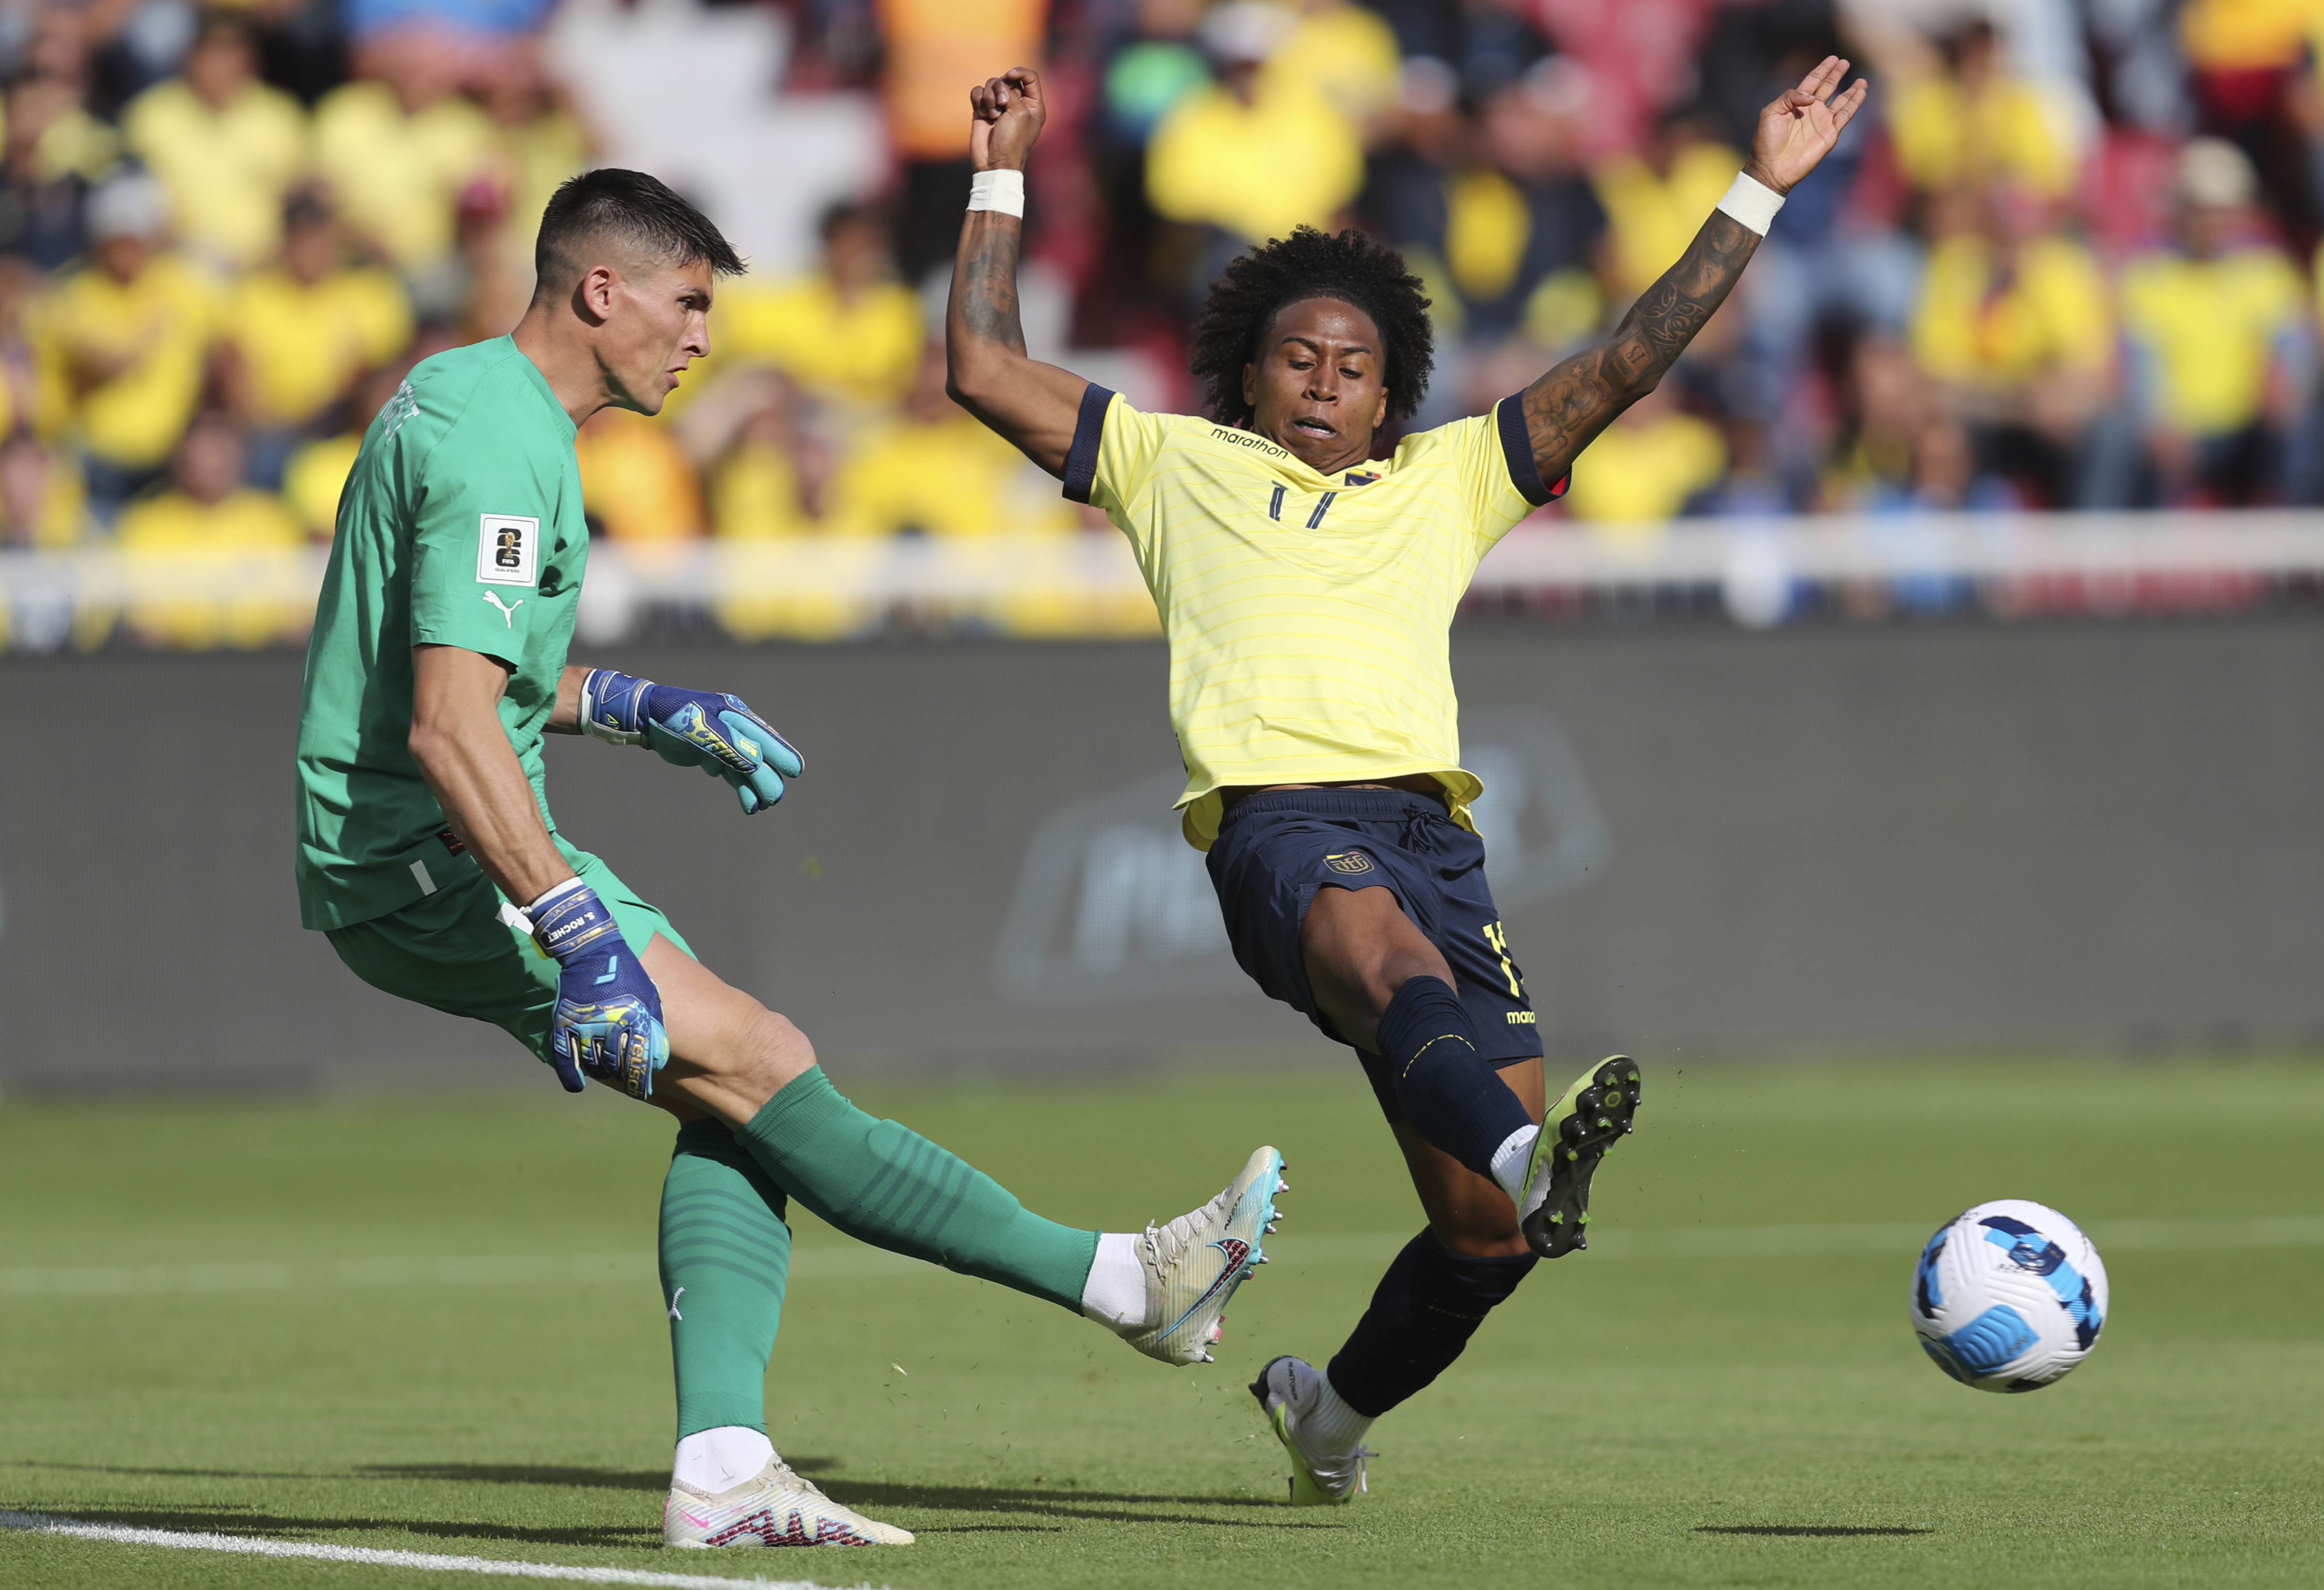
(886,1185)
(725,1255)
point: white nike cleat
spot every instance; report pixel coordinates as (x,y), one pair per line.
(1288,1390)
(778,1507)
(1193,1264)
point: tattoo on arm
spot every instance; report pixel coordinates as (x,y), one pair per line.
(1566,409)
(986,300)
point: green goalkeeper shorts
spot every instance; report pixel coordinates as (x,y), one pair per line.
(462,949)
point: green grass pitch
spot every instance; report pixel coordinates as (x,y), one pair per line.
(432,1326)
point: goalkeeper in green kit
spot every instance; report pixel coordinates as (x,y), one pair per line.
(427,853)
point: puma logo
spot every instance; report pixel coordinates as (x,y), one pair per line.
(508,609)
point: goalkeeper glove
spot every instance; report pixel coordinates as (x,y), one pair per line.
(608,1019)
(694,728)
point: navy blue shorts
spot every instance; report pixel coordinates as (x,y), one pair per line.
(1274,851)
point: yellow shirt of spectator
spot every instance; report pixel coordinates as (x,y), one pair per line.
(1641,474)
(863,352)
(635,479)
(1344,52)
(1650,219)
(2208,330)
(304,342)
(225,171)
(2245,35)
(1306,615)
(1943,140)
(120,364)
(1288,158)
(953,479)
(316,475)
(397,176)
(174,532)
(1977,328)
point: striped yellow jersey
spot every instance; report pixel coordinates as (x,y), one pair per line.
(1307,615)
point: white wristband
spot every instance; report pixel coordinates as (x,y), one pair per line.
(1752,203)
(1002,190)
(554,892)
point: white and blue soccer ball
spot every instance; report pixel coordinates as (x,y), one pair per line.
(2010,1296)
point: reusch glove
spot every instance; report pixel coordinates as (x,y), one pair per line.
(608,1019)
(694,728)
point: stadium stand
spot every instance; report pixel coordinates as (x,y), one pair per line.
(2058,267)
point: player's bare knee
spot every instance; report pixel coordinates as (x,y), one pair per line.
(1483,1237)
(777,1050)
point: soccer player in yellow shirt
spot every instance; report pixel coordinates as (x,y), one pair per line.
(1306,588)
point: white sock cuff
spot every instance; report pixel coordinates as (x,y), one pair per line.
(1330,1423)
(1114,1295)
(719,1459)
(1509,1160)
(1752,203)
(1002,190)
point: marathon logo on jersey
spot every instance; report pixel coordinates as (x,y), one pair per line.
(1349,861)
(1361,478)
(508,547)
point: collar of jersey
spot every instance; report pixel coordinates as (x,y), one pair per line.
(1291,463)
(539,383)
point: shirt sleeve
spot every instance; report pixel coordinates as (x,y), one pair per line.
(1503,484)
(1113,455)
(485,501)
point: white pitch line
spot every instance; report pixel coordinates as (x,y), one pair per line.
(834,1262)
(41,1523)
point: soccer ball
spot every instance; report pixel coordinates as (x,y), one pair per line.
(2008,1296)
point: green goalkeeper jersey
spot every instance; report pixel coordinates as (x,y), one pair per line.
(460,526)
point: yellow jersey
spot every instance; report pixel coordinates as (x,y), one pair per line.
(2208,331)
(1306,615)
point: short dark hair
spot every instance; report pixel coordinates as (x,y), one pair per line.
(634,207)
(1258,284)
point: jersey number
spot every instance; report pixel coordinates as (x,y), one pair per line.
(1314,519)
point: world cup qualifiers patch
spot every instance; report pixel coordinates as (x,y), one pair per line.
(508,548)
(1349,861)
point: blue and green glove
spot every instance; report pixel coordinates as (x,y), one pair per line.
(693,729)
(608,1019)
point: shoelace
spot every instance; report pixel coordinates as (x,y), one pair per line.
(790,1479)
(1335,1472)
(1165,1243)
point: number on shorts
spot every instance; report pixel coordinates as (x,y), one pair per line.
(1497,936)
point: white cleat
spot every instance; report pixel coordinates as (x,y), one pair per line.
(1193,1264)
(1288,1390)
(778,1507)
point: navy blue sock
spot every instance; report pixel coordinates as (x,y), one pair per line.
(1453,1099)
(1429,1304)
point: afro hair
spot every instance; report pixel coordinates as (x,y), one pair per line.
(1350,267)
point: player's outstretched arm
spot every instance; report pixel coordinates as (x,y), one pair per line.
(1033,404)
(708,729)
(1566,409)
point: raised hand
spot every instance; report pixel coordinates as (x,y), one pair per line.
(1010,112)
(1799,129)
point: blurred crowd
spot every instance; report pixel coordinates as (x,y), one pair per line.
(2066,259)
